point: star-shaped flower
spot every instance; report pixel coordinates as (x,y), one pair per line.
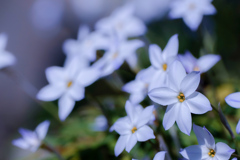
(203,64)
(31,140)
(181,98)
(86,44)
(133,128)
(162,60)
(122,22)
(191,11)
(68,84)
(207,149)
(6,58)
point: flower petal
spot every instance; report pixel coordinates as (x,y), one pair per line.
(163,96)
(238,127)
(7,59)
(130,109)
(65,107)
(160,155)
(171,48)
(193,20)
(233,100)
(223,151)
(50,93)
(145,116)
(208,61)
(55,75)
(184,119)
(21,143)
(192,152)
(131,142)
(3,41)
(42,129)
(155,56)
(188,61)
(171,115)
(159,79)
(136,98)
(121,144)
(123,126)
(88,76)
(204,137)
(144,133)
(198,103)
(77,92)
(135,86)
(190,83)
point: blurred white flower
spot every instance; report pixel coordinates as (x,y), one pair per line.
(138,88)
(207,149)
(181,98)
(6,58)
(133,128)
(100,123)
(86,45)
(162,60)
(191,11)
(68,84)
(31,140)
(203,64)
(123,23)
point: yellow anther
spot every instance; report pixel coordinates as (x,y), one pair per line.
(69,84)
(134,129)
(164,66)
(115,55)
(211,153)
(196,68)
(181,97)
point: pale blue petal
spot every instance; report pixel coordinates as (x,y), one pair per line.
(192,152)
(144,133)
(238,127)
(21,143)
(171,115)
(65,106)
(130,109)
(135,86)
(55,75)
(83,32)
(193,20)
(131,142)
(171,48)
(188,61)
(163,96)
(121,144)
(233,100)
(136,98)
(6,59)
(155,55)
(88,76)
(190,83)
(184,119)
(50,93)
(160,155)
(208,61)
(76,91)
(145,75)
(42,129)
(3,41)
(145,116)
(223,151)
(123,126)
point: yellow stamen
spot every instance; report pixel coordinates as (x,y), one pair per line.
(134,129)
(69,84)
(115,55)
(164,66)
(211,153)
(181,97)
(196,68)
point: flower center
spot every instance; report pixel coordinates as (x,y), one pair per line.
(69,84)
(115,55)
(134,129)
(196,68)
(164,66)
(211,153)
(192,6)
(181,97)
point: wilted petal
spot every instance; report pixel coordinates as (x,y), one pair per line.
(171,48)
(190,83)
(192,152)
(160,155)
(42,129)
(184,119)
(121,144)
(65,106)
(208,61)
(163,96)
(50,93)
(144,133)
(123,126)
(88,76)
(204,137)
(198,103)
(155,56)
(145,116)
(171,115)
(223,151)
(21,143)
(233,100)
(131,142)
(238,127)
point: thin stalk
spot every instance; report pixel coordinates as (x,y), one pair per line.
(52,150)
(235,155)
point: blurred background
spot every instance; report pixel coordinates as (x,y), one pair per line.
(36,31)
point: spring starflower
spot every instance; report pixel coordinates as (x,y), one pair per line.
(31,140)
(191,11)
(181,98)
(133,128)
(207,149)
(162,60)
(68,85)
(6,58)
(203,64)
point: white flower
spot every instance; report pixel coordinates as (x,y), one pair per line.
(31,140)
(162,60)
(203,64)
(6,58)
(86,44)
(191,11)
(68,84)
(138,88)
(123,23)
(181,98)
(207,149)
(100,123)
(158,156)
(133,128)
(233,100)
(119,51)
